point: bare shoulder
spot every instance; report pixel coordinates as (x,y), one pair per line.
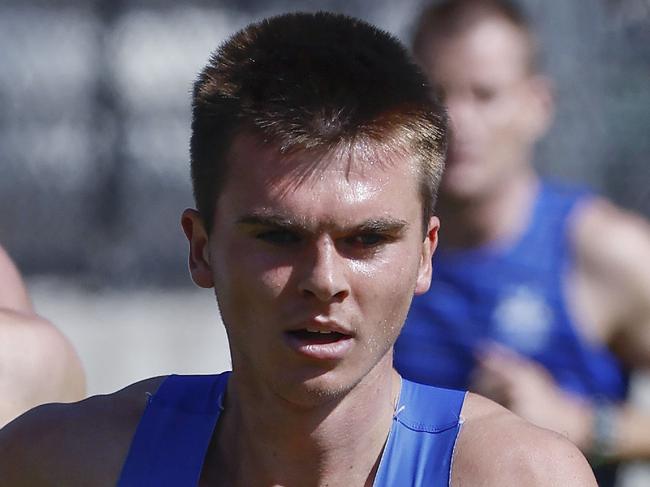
(82,443)
(496,447)
(612,250)
(30,345)
(28,335)
(610,239)
(13,294)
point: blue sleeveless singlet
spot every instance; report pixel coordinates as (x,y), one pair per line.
(513,296)
(171,441)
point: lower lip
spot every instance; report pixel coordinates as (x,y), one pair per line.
(320,351)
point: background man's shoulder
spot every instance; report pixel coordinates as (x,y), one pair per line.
(496,447)
(605,233)
(612,249)
(74,444)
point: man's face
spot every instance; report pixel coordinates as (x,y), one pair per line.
(314,269)
(497,108)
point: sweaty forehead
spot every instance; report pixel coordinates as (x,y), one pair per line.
(354,161)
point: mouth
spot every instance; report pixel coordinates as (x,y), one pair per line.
(317,336)
(319,343)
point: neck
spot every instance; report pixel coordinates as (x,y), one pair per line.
(499,215)
(335,443)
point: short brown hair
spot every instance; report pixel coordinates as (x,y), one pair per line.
(452,17)
(311,82)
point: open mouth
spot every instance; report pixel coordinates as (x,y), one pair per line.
(319,344)
(317,337)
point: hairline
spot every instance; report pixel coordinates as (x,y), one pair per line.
(349,148)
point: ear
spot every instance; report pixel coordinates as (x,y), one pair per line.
(541,103)
(428,248)
(199,258)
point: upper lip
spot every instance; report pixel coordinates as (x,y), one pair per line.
(322,324)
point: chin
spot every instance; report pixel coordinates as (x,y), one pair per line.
(321,386)
(310,389)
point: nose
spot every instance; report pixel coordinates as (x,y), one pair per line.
(323,273)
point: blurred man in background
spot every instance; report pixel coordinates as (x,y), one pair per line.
(541,293)
(37,364)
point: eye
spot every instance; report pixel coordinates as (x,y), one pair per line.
(278,237)
(484,93)
(366,240)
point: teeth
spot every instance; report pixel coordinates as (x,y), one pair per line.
(311,330)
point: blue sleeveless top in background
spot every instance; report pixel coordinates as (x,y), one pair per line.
(513,296)
(172,439)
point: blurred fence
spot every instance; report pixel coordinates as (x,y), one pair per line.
(94,118)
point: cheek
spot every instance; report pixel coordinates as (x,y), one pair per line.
(260,280)
(246,293)
(389,271)
(274,281)
(387,285)
(504,119)
(245,279)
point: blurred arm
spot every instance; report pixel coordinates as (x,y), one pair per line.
(13,294)
(611,293)
(613,252)
(613,258)
(528,390)
(37,363)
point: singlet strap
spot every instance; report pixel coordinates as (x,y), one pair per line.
(547,234)
(421,442)
(174,433)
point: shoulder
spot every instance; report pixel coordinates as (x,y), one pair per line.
(61,444)
(496,447)
(606,236)
(13,294)
(612,255)
(22,332)
(30,345)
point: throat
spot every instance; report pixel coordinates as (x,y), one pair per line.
(342,446)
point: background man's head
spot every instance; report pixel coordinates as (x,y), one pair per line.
(482,56)
(313,82)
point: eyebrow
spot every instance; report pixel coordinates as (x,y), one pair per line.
(263,220)
(382,225)
(372,225)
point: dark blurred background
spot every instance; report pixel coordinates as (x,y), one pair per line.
(94,119)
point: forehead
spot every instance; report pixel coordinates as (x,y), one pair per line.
(490,48)
(338,188)
(252,161)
